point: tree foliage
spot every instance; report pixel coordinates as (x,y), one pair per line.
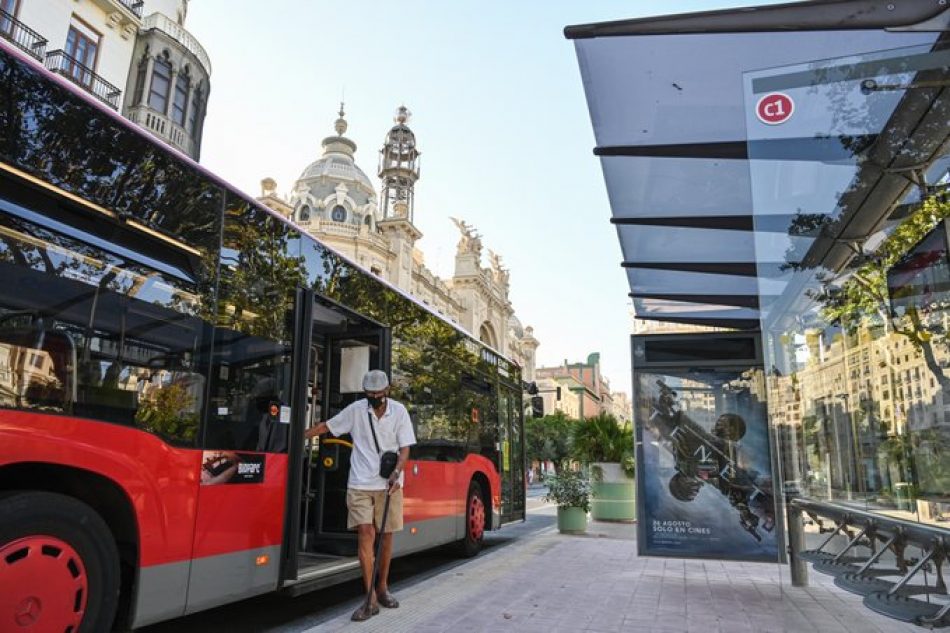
(549,439)
(602,438)
(863,300)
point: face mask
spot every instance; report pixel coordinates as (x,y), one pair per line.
(376,402)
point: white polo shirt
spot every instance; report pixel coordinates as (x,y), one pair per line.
(394,431)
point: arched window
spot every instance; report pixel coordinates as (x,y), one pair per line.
(180,101)
(304,214)
(486,334)
(338,214)
(368,220)
(161,83)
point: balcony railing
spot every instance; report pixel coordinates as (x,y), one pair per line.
(135,6)
(23,37)
(67,66)
(178,33)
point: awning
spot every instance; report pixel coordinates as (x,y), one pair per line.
(718,209)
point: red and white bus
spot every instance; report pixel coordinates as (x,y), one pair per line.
(149,313)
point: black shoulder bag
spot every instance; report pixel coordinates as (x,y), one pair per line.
(387,459)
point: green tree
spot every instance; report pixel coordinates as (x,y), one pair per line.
(549,439)
(602,438)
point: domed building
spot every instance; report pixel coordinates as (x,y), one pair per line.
(336,202)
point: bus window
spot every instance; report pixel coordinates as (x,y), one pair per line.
(35,368)
(260,272)
(96,336)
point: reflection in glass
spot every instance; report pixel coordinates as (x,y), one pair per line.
(857,345)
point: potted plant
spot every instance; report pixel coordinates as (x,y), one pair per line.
(606,446)
(570,490)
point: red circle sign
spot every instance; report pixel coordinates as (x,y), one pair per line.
(774,108)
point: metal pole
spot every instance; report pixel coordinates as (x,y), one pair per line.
(796,543)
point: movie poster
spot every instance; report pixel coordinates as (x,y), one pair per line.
(704,466)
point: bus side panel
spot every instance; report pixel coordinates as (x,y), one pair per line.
(431,505)
(160,481)
(435,495)
(238,536)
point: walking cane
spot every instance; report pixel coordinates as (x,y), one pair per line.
(379,547)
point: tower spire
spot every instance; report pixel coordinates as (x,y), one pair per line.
(399,168)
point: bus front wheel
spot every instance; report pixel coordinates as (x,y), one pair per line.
(471,544)
(59,565)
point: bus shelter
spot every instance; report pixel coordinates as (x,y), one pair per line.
(783,171)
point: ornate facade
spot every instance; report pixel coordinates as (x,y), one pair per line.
(335,201)
(103,46)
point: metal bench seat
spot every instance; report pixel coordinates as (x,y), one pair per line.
(816,555)
(841,565)
(906,609)
(865,584)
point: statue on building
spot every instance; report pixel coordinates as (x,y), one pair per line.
(470,241)
(498,272)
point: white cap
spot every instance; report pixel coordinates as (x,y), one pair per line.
(375,380)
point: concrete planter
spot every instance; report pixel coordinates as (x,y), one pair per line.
(571,520)
(614,493)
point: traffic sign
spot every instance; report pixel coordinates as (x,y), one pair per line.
(774,108)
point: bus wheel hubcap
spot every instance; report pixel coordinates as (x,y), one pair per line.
(476,518)
(42,583)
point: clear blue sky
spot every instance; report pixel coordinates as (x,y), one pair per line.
(499,114)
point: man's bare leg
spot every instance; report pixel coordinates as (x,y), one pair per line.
(366,535)
(385,598)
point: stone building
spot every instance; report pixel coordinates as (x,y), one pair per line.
(135,56)
(588,387)
(335,201)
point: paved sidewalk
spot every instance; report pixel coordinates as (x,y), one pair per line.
(598,583)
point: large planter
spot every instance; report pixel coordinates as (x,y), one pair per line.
(571,520)
(615,494)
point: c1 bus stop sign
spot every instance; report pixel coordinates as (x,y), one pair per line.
(774,108)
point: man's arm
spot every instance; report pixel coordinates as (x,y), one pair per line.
(400,465)
(315,430)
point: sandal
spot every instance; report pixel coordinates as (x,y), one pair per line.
(364,612)
(387,600)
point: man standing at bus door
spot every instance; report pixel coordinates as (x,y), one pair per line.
(377,424)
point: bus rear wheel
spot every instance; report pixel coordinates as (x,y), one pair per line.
(59,565)
(474,521)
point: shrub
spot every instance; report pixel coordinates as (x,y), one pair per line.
(569,489)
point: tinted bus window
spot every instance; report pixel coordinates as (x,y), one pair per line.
(91,333)
(259,274)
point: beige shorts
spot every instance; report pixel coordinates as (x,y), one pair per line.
(366,508)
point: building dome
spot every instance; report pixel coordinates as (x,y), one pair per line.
(333,186)
(514,326)
(337,167)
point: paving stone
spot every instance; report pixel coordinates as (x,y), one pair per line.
(558,583)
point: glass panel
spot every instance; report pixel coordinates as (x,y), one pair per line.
(161,82)
(181,99)
(858,387)
(260,272)
(683,97)
(94,333)
(61,139)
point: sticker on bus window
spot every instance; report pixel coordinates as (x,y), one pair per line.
(230,467)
